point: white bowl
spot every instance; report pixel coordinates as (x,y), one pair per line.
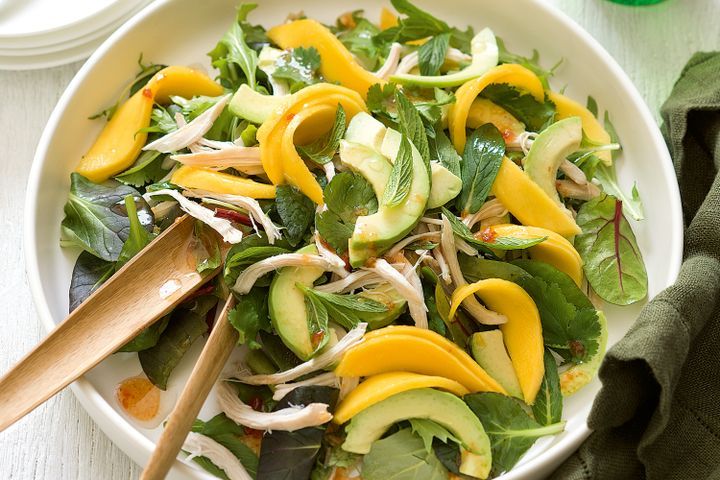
(181,31)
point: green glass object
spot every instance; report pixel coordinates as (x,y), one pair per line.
(636,2)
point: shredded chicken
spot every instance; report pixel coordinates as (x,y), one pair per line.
(329,357)
(391,62)
(246,203)
(329,168)
(328,379)
(400,246)
(224,227)
(573,172)
(287,419)
(406,289)
(522,142)
(412,60)
(250,275)
(465,247)
(191,132)
(355,280)
(328,254)
(347,385)
(243,159)
(570,189)
(491,208)
(472,306)
(431,221)
(202,446)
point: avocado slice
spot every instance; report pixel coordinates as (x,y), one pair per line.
(287,306)
(579,375)
(441,407)
(489,351)
(388,296)
(445,186)
(253,106)
(549,150)
(485,54)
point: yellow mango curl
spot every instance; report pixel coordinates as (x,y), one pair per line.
(120,142)
(309,114)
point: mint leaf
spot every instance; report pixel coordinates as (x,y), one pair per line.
(228,434)
(346,310)
(401,456)
(232,56)
(296,212)
(317,318)
(411,125)
(432,53)
(322,150)
(442,150)
(523,106)
(612,259)
(401,176)
(548,405)
(249,316)
(481,162)
(252,249)
(427,430)
(299,67)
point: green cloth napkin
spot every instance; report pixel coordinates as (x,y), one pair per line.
(657,415)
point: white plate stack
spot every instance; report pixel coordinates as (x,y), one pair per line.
(47,33)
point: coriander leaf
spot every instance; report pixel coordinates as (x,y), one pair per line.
(148,168)
(299,67)
(233,53)
(512,432)
(192,108)
(532,63)
(138,237)
(88,274)
(401,456)
(432,53)
(228,434)
(481,162)
(296,212)
(442,150)
(381,100)
(322,150)
(359,40)
(536,115)
(427,430)
(431,111)
(411,125)
(317,319)
(291,455)
(95,218)
(401,176)
(347,197)
(612,259)
(249,316)
(548,405)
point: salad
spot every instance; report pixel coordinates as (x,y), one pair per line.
(418,230)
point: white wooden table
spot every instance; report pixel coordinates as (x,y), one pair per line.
(59,440)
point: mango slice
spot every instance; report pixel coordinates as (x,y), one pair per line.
(306,115)
(387,19)
(512,74)
(218,182)
(408,353)
(484,111)
(529,203)
(522,332)
(120,142)
(555,250)
(566,107)
(337,63)
(379,387)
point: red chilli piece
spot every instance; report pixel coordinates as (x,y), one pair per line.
(488,235)
(233,216)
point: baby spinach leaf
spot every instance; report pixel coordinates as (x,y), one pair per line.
(228,434)
(432,53)
(402,456)
(138,237)
(323,149)
(249,316)
(146,169)
(88,274)
(512,432)
(552,275)
(95,218)
(401,176)
(299,67)
(411,125)
(279,354)
(347,197)
(523,106)
(475,269)
(613,262)
(148,338)
(532,63)
(442,150)
(296,212)
(548,405)
(427,430)
(291,455)
(232,56)
(449,456)
(187,324)
(481,161)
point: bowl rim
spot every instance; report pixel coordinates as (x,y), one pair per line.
(139,447)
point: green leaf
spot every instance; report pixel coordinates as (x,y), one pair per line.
(427,430)
(317,319)
(322,150)
(532,63)
(432,53)
(233,53)
(146,169)
(401,456)
(523,106)
(279,354)
(138,238)
(550,274)
(548,405)
(512,432)
(442,150)
(88,274)
(411,125)
(187,324)
(249,316)
(95,218)
(206,248)
(381,100)
(299,67)
(347,197)
(291,455)
(418,23)
(346,309)
(592,105)
(228,434)
(401,176)
(359,40)
(160,121)
(431,111)
(148,337)
(481,161)
(612,259)
(252,249)
(296,212)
